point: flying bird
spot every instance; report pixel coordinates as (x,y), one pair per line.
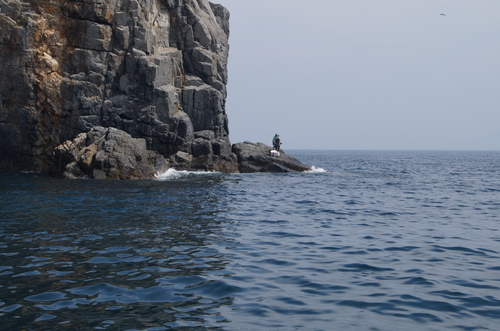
(442,14)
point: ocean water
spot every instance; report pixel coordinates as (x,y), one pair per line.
(367,241)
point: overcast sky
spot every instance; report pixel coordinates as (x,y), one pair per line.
(365,74)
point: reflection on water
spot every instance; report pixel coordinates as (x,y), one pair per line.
(108,254)
(385,241)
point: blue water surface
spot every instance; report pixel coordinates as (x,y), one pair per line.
(369,240)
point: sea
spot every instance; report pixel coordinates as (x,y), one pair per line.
(367,240)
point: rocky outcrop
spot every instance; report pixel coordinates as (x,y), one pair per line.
(107,153)
(257,158)
(156,69)
(149,75)
(112,153)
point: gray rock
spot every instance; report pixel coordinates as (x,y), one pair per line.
(201,147)
(107,153)
(205,134)
(256,158)
(181,160)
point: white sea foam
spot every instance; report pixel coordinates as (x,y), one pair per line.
(316,170)
(171,174)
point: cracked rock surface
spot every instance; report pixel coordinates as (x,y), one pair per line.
(156,69)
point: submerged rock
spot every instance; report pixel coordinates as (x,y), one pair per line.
(256,157)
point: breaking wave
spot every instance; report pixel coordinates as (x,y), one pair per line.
(316,170)
(172,174)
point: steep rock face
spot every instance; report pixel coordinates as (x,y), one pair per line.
(156,69)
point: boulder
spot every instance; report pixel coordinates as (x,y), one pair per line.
(106,153)
(256,157)
(181,160)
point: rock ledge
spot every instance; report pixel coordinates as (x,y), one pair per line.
(256,158)
(104,153)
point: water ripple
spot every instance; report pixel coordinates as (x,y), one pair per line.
(380,241)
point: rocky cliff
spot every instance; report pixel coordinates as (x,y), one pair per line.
(156,69)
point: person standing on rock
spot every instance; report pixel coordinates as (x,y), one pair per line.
(276,142)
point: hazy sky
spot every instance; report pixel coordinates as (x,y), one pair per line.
(365,74)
